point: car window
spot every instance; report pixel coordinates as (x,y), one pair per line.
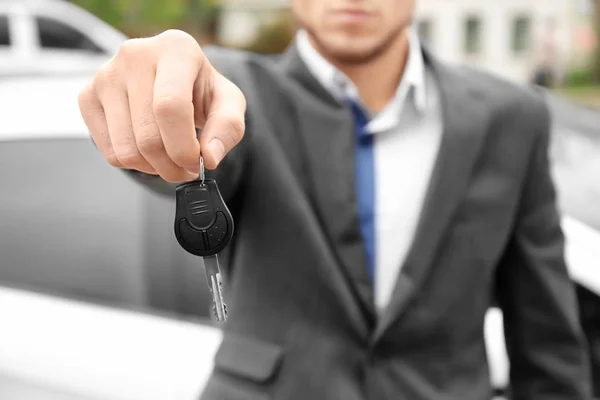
(4,33)
(54,34)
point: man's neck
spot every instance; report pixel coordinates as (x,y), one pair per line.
(378,79)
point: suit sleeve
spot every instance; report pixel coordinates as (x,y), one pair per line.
(230,171)
(546,347)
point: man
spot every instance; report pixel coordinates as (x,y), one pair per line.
(382,200)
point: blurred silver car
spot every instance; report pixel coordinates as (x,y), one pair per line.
(51,37)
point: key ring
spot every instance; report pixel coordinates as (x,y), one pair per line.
(202,174)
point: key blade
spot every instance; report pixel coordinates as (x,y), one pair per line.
(215,284)
(219,307)
(211,265)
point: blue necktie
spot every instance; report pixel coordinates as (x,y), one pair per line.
(365,184)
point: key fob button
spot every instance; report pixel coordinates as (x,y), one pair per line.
(218,232)
(199,207)
(192,238)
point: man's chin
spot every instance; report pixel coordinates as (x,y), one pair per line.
(350,55)
(352,49)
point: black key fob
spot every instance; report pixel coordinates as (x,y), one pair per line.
(203,223)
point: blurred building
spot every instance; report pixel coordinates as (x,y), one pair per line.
(509,37)
(240,20)
(583,35)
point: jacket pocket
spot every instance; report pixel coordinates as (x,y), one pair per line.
(248,358)
(243,367)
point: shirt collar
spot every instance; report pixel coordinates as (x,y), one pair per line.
(412,84)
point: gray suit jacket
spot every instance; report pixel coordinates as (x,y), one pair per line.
(302,326)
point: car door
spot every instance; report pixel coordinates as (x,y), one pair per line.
(575,156)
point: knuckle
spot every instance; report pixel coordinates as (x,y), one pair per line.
(150,145)
(167,106)
(84,99)
(130,48)
(112,159)
(186,44)
(104,78)
(176,35)
(132,53)
(239,94)
(242,99)
(100,76)
(130,157)
(83,96)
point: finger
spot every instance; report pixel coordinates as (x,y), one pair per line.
(146,130)
(118,119)
(93,115)
(174,109)
(225,123)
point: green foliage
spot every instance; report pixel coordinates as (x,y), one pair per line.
(161,12)
(596,61)
(595,73)
(585,95)
(579,78)
(146,17)
(110,11)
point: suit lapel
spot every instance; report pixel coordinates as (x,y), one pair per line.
(325,127)
(465,121)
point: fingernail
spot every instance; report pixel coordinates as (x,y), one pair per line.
(217,150)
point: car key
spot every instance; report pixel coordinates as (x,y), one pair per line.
(204,227)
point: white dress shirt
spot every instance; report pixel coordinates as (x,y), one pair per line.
(407,135)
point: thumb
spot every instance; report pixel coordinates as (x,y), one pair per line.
(225,121)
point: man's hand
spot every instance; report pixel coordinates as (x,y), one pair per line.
(143,106)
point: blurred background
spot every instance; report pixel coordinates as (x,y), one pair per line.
(97,300)
(548,42)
